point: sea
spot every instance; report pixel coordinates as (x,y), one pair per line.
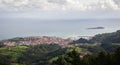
(11,28)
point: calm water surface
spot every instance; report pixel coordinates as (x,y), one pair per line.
(61,28)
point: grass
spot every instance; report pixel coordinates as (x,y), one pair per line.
(53,59)
(13,51)
(116,44)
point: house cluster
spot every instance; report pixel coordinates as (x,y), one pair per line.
(39,40)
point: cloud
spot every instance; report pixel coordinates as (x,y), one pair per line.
(60,5)
(117,2)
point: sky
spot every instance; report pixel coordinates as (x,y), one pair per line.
(60,9)
(49,17)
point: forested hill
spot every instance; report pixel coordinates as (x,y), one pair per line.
(107,41)
(106,38)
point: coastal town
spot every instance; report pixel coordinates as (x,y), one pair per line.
(34,40)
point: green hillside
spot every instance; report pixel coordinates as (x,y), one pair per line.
(107,38)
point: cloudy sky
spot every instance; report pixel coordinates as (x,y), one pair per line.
(59,9)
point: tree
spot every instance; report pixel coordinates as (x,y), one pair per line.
(5,59)
(2,44)
(70,58)
(81,40)
(61,61)
(117,56)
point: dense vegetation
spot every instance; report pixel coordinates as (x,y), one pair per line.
(9,55)
(102,38)
(81,40)
(53,54)
(107,38)
(29,55)
(102,58)
(107,41)
(38,55)
(1,44)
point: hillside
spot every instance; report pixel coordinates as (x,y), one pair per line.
(29,55)
(43,54)
(107,41)
(106,38)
